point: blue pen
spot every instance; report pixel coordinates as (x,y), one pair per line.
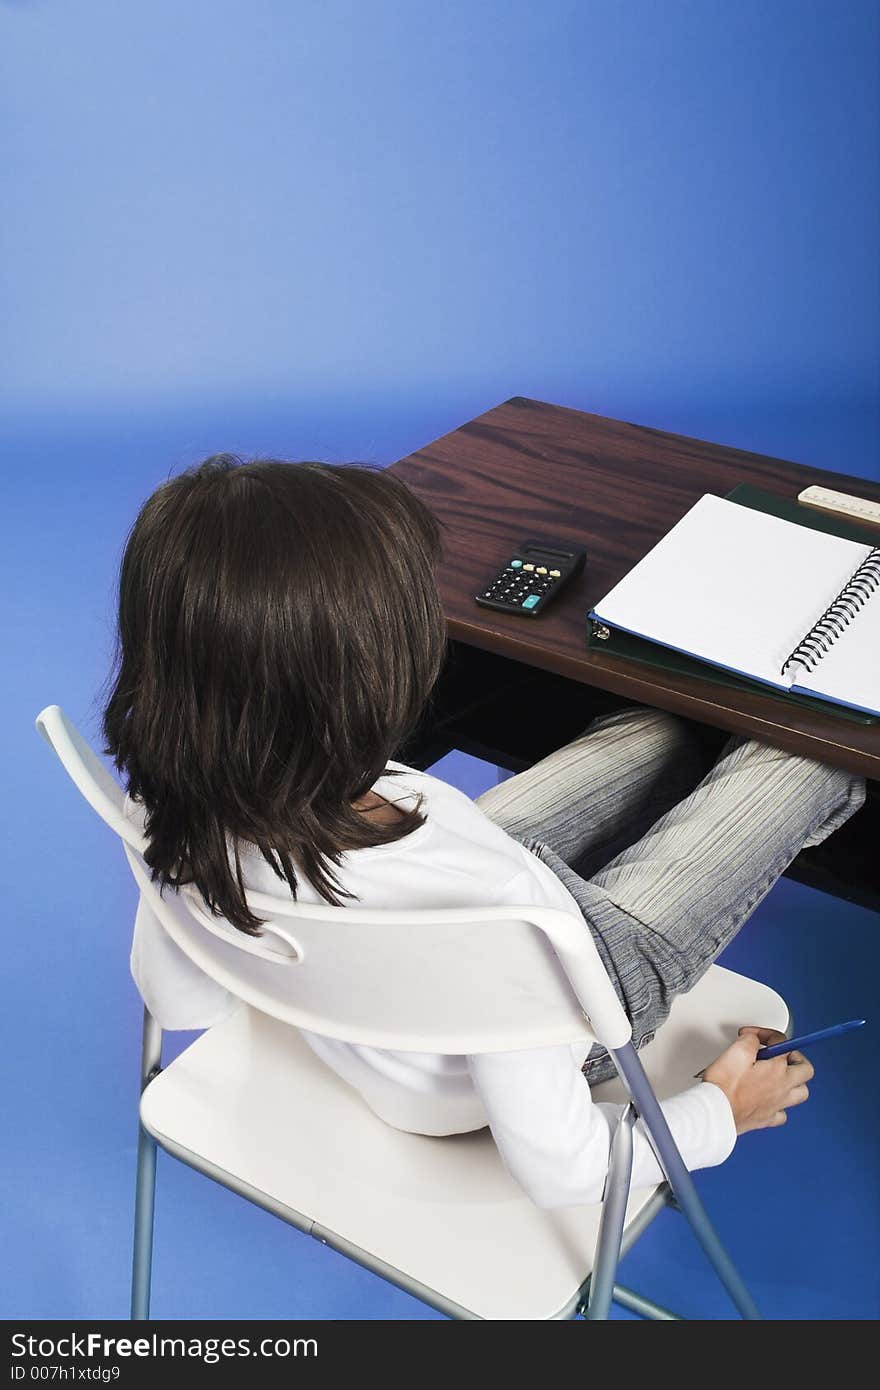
(797,1044)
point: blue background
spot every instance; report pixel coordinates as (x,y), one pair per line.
(337,230)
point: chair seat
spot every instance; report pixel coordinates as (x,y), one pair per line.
(252,1105)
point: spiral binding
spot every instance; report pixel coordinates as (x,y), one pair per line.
(862,583)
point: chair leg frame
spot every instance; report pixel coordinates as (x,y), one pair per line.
(602,1283)
(613,1219)
(645,1307)
(603,1290)
(145,1183)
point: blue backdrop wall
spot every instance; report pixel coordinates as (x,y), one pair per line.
(336,229)
(666,211)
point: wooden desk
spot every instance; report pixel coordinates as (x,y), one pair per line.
(514,689)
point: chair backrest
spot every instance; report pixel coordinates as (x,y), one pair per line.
(455,980)
(85,769)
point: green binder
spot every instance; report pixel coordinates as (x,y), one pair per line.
(653,654)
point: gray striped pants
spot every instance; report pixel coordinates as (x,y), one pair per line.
(665,859)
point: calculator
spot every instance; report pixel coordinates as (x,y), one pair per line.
(532,577)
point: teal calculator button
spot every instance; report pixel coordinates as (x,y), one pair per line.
(531,600)
(516,564)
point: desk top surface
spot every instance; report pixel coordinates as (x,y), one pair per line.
(528,468)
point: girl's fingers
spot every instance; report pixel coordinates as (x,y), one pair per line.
(800,1072)
(765,1035)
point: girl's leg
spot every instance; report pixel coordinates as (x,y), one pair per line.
(589,799)
(666,906)
(704,866)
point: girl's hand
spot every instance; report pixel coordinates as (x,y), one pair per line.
(760,1092)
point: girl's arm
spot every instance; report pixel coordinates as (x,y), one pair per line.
(555,1140)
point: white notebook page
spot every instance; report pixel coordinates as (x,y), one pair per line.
(733,586)
(850,669)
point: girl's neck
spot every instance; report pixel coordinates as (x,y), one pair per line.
(375,808)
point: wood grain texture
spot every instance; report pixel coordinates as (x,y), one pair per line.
(527,468)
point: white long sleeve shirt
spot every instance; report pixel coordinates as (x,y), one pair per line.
(552,1136)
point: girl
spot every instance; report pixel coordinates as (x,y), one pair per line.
(279,635)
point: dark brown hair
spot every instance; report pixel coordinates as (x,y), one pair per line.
(280,631)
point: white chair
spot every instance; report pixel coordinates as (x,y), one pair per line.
(250,1105)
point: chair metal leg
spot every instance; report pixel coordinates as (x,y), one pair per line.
(145,1186)
(617,1187)
(645,1307)
(629,1066)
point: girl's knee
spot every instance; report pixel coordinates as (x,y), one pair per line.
(657,725)
(752,755)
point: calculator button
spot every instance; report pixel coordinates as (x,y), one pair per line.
(516,564)
(528,567)
(542,569)
(531,600)
(555,574)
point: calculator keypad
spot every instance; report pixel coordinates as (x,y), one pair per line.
(521,585)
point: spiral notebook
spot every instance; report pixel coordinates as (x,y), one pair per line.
(762,597)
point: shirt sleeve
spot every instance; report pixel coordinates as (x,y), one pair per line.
(555,1140)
